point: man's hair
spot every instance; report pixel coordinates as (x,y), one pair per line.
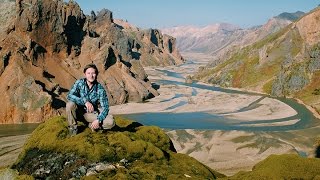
(91,65)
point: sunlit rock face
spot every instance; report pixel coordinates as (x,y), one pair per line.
(45,45)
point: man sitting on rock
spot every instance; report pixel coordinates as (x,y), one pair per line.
(88,100)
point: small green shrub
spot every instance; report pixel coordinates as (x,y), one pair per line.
(316,91)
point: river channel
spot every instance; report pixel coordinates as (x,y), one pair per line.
(210,121)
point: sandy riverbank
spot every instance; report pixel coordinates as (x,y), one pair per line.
(176,98)
(225,151)
(228,152)
(311,109)
(10,148)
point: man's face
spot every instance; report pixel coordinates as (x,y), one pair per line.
(90,75)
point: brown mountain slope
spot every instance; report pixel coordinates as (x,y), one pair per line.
(285,63)
(47,44)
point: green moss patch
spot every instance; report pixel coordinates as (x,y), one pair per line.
(147,149)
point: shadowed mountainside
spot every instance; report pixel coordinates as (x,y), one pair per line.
(44,46)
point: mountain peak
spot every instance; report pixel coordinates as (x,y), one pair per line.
(290,16)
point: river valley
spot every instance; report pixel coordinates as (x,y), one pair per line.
(227,129)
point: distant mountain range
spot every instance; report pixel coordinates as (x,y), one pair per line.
(206,39)
(218,39)
(280,58)
(283,63)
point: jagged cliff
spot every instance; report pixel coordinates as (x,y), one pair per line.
(285,63)
(152,47)
(44,46)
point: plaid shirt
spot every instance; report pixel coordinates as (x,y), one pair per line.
(80,94)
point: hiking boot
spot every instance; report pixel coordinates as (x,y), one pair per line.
(73,130)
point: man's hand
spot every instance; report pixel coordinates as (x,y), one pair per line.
(89,107)
(95,124)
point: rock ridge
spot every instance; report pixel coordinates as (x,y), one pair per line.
(46,44)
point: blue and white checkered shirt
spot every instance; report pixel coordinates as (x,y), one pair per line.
(80,94)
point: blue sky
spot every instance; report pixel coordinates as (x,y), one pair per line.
(169,13)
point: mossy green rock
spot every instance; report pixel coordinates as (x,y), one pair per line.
(288,166)
(146,150)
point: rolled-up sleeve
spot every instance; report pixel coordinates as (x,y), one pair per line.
(74,94)
(103,98)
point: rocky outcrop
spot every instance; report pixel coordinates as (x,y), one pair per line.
(7,13)
(46,44)
(151,47)
(130,151)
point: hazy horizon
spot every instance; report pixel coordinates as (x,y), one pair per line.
(164,14)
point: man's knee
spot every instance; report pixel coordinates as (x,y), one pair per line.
(70,106)
(108,122)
